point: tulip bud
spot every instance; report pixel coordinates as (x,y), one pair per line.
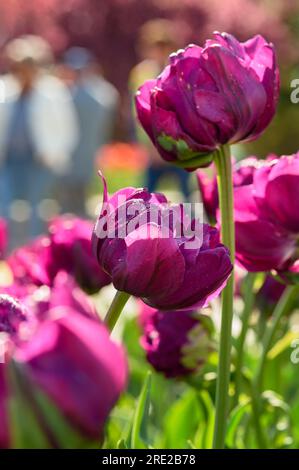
(176,343)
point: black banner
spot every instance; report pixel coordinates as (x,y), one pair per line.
(137,458)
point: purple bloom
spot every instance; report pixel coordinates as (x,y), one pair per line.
(224,92)
(242,175)
(270,293)
(30,263)
(71,250)
(266,217)
(176,343)
(209,194)
(166,272)
(68,355)
(67,248)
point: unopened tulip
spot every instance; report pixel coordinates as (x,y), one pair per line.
(176,343)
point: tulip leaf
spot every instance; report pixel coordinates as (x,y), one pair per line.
(235,419)
(277,420)
(209,412)
(121,444)
(187,157)
(139,425)
(181,421)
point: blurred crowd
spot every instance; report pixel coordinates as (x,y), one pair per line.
(57,117)
(53,118)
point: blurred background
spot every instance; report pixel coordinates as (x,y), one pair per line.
(69,71)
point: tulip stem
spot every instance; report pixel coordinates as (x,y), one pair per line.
(115,309)
(280,310)
(225,188)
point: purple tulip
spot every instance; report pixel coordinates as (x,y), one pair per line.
(270,293)
(167,270)
(69,357)
(30,263)
(176,343)
(242,175)
(224,92)
(72,251)
(67,248)
(266,217)
(209,194)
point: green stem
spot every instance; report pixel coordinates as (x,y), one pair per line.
(225,188)
(247,310)
(116,308)
(280,310)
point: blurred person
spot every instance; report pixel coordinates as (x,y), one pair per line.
(96,101)
(156,42)
(37,130)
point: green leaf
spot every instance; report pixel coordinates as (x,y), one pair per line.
(209,411)
(139,426)
(121,444)
(181,421)
(233,427)
(186,157)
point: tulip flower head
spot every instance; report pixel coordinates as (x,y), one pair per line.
(242,175)
(145,245)
(266,217)
(67,355)
(66,248)
(222,93)
(176,343)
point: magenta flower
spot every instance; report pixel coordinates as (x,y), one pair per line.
(242,175)
(69,357)
(67,248)
(176,343)
(224,92)
(270,293)
(266,217)
(209,194)
(72,251)
(30,263)
(157,260)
